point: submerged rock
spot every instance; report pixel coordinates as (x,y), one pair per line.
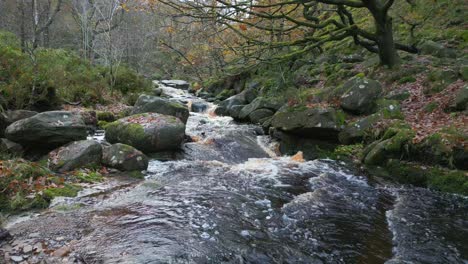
(154,104)
(124,158)
(47,130)
(360,95)
(149,132)
(317,123)
(78,154)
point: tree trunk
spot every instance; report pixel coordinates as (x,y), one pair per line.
(384,30)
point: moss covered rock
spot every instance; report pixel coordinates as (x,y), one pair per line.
(394,143)
(149,132)
(260,114)
(436,49)
(78,154)
(47,130)
(271,104)
(318,123)
(124,158)
(154,104)
(360,95)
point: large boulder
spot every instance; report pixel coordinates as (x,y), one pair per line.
(235,110)
(179,84)
(436,49)
(460,100)
(317,123)
(260,114)
(47,130)
(124,158)
(148,132)
(16,115)
(360,95)
(260,103)
(8,146)
(75,155)
(154,104)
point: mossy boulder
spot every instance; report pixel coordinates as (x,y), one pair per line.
(47,130)
(124,158)
(395,143)
(154,104)
(3,124)
(235,110)
(436,49)
(272,104)
(105,116)
(360,95)
(318,123)
(75,155)
(460,100)
(447,147)
(148,132)
(260,114)
(356,131)
(438,80)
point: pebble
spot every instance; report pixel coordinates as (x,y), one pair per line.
(16,258)
(61,252)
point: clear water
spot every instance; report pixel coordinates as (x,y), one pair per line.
(228,198)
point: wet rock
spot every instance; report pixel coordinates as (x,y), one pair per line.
(157,92)
(78,154)
(17,115)
(4,234)
(221,111)
(124,158)
(8,146)
(149,132)
(179,84)
(154,104)
(260,103)
(199,106)
(260,114)
(16,258)
(47,130)
(436,49)
(360,95)
(318,123)
(234,111)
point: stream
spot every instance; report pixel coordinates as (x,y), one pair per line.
(228,197)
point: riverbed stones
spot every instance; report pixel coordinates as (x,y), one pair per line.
(47,130)
(78,154)
(260,114)
(154,104)
(317,123)
(124,158)
(179,84)
(148,132)
(360,95)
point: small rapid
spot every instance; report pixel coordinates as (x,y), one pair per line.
(228,197)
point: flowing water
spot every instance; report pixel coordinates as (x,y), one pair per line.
(228,198)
